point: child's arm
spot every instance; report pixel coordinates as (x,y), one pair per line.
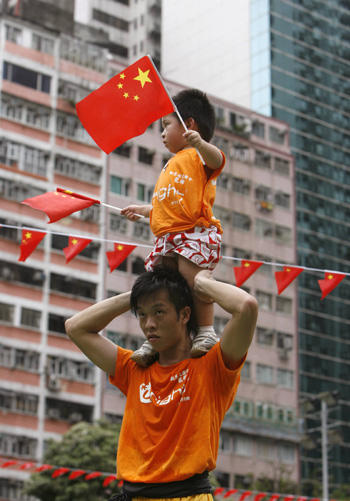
(211,155)
(131,211)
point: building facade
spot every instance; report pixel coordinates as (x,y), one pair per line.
(290,60)
(47,384)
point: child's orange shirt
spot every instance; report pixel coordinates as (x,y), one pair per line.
(184,196)
(173,415)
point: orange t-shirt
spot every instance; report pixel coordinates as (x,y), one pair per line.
(173,415)
(184,196)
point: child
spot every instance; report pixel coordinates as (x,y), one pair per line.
(187,233)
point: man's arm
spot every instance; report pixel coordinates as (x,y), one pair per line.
(84,327)
(238,333)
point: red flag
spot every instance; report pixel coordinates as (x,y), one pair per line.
(75,245)
(60,203)
(92,475)
(76,474)
(260,496)
(247,268)
(8,463)
(44,467)
(108,480)
(121,252)
(25,466)
(244,495)
(30,240)
(230,492)
(59,472)
(285,277)
(274,497)
(218,491)
(125,105)
(331,280)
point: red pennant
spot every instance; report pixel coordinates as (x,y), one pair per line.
(243,272)
(59,472)
(76,474)
(260,496)
(120,483)
(330,282)
(108,480)
(230,492)
(30,240)
(25,466)
(286,277)
(92,475)
(218,491)
(44,467)
(116,257)
(75,246)
(244,495)
(60,203)
(125,105)
(288,498)
(274,497)
(8,463)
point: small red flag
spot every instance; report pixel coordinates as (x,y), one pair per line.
(25,466)
(8,463)
(75,246)
(59,472)
(30,240)
(121,252)
(286,277)
(260,496)
(44,467)
(76,474)
(108,480)
(274,497)
(218,491)
(125,105)
(330,281)
(230,492)
(247,268)
(60,203)
(244,495)
(92,475)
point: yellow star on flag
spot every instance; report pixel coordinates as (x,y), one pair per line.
(75,241)
(28,235)
(120,247)
(330,277)
(246,265)
(136,98)
(122,76)
(120,85)
(126,95)
(288,269)
(143,77)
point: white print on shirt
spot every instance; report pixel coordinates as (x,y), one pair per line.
(146,392)
(166,192)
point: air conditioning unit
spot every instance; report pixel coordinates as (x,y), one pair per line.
(76,417)
(53,413)
(284,353)
(53,383)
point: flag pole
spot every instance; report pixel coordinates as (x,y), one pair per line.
(117,208)
(172,101)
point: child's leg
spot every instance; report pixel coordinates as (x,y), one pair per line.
(204,311)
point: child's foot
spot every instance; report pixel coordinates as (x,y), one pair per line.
(145,356)
(203,342)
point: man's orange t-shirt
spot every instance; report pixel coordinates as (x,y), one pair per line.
(184,196)
(173,415)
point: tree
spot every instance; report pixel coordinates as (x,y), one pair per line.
(84,446)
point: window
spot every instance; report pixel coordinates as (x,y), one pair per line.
(13,34)
(286,453)
(263,193)
(118,223)
(110,20)
(26,77)
(243,445)
(265,450)
(73,286)
(241,253)
(70,126)
(56,323)
(277,135)
(6,312)
(258,129)
(68,411)
(79,170)
(18,402)
(223,214)
(124,150)
(142,230)
(263,228)
(264,374)
(241,186)
(284,305)
(12,107)
(285,378)
(283,235)
(225,442)
(246,370)
(282,199)
(224,181)
(145,155)
(13,272)
(262,159)
(144,193)
(241,221)
(30,318)
(18,445)
(42,44)
(265,300)
(240,152)
(285,341)
(137,266)
(71,369)
(84,54)
(120,186)
(265,336)
(282,166)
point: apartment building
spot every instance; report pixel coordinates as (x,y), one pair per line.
(46,383)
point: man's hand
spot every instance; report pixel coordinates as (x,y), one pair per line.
(133,212)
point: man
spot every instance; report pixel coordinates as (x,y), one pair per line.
(174,409)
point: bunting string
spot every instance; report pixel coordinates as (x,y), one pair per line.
(108,478)
(31,237)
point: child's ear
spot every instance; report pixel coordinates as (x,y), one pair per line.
(191,124)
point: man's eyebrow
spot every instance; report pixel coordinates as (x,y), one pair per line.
(156,305)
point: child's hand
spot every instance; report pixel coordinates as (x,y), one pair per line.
(193,138)
(133,212)
(200,281)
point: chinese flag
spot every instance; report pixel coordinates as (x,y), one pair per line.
(121,252)
(59,472)
(285,277)
(125,105)
(243,272)
(108,480)
(30,240)
(75,245)
(76,474)
(331,280)
(60,203)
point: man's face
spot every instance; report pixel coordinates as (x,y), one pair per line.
(162,326)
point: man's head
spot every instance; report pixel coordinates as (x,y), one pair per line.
(170,280)
(193,103)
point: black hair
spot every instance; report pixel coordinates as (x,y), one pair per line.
(165,278)
(193,103)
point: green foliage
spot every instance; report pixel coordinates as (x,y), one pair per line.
(84,446)
(342,493)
